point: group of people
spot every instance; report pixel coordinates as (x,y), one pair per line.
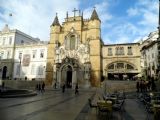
(76,89)
(146,85)
(40,87)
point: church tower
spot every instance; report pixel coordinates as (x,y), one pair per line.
(94,34)
(74,51)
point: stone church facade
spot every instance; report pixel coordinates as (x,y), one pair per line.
(75,51)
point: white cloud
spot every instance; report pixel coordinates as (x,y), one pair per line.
(101,9)
(121,32)
(144,19)
(149,18)
(132,11)
(34,17)
(147,10)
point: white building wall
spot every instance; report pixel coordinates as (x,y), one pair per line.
(8,39)
(151,59)
(29,71)
(149,54)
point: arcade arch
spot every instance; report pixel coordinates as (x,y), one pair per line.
(121,70)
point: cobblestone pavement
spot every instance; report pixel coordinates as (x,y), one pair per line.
(55,105)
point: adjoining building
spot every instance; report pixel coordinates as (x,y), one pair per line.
(149,56)
(30,61)
(8,41)
(121,61)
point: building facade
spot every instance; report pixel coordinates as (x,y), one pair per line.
(77,54)
(8,40)
(149,56)
(30,61)
(74,51)
(121,61)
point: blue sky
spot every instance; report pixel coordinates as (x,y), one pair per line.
(122,21)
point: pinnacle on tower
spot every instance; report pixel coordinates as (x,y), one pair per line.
(94,15)
(56,21)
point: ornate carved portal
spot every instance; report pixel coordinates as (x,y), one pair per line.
(70,72)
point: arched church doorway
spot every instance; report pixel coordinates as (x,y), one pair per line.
(70,72)
(69,77)
(4,72)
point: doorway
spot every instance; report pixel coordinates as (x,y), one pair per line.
(69,77)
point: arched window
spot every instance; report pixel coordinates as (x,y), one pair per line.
(120,65)
(71,42)
(130,67)
(111,66)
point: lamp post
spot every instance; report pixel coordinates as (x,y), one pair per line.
(20,57)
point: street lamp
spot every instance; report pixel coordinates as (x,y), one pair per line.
(20,57)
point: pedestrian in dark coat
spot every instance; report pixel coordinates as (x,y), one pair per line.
(76,89)
(141,86)
(153,85)
(138,86)
(63,88)
(39,87)
(43,87)
(55,85)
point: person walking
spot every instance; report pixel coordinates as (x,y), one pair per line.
(63,88)
(39,87)
(76,89)
(43,87)
(153,85)
(138,86)
(55,85)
